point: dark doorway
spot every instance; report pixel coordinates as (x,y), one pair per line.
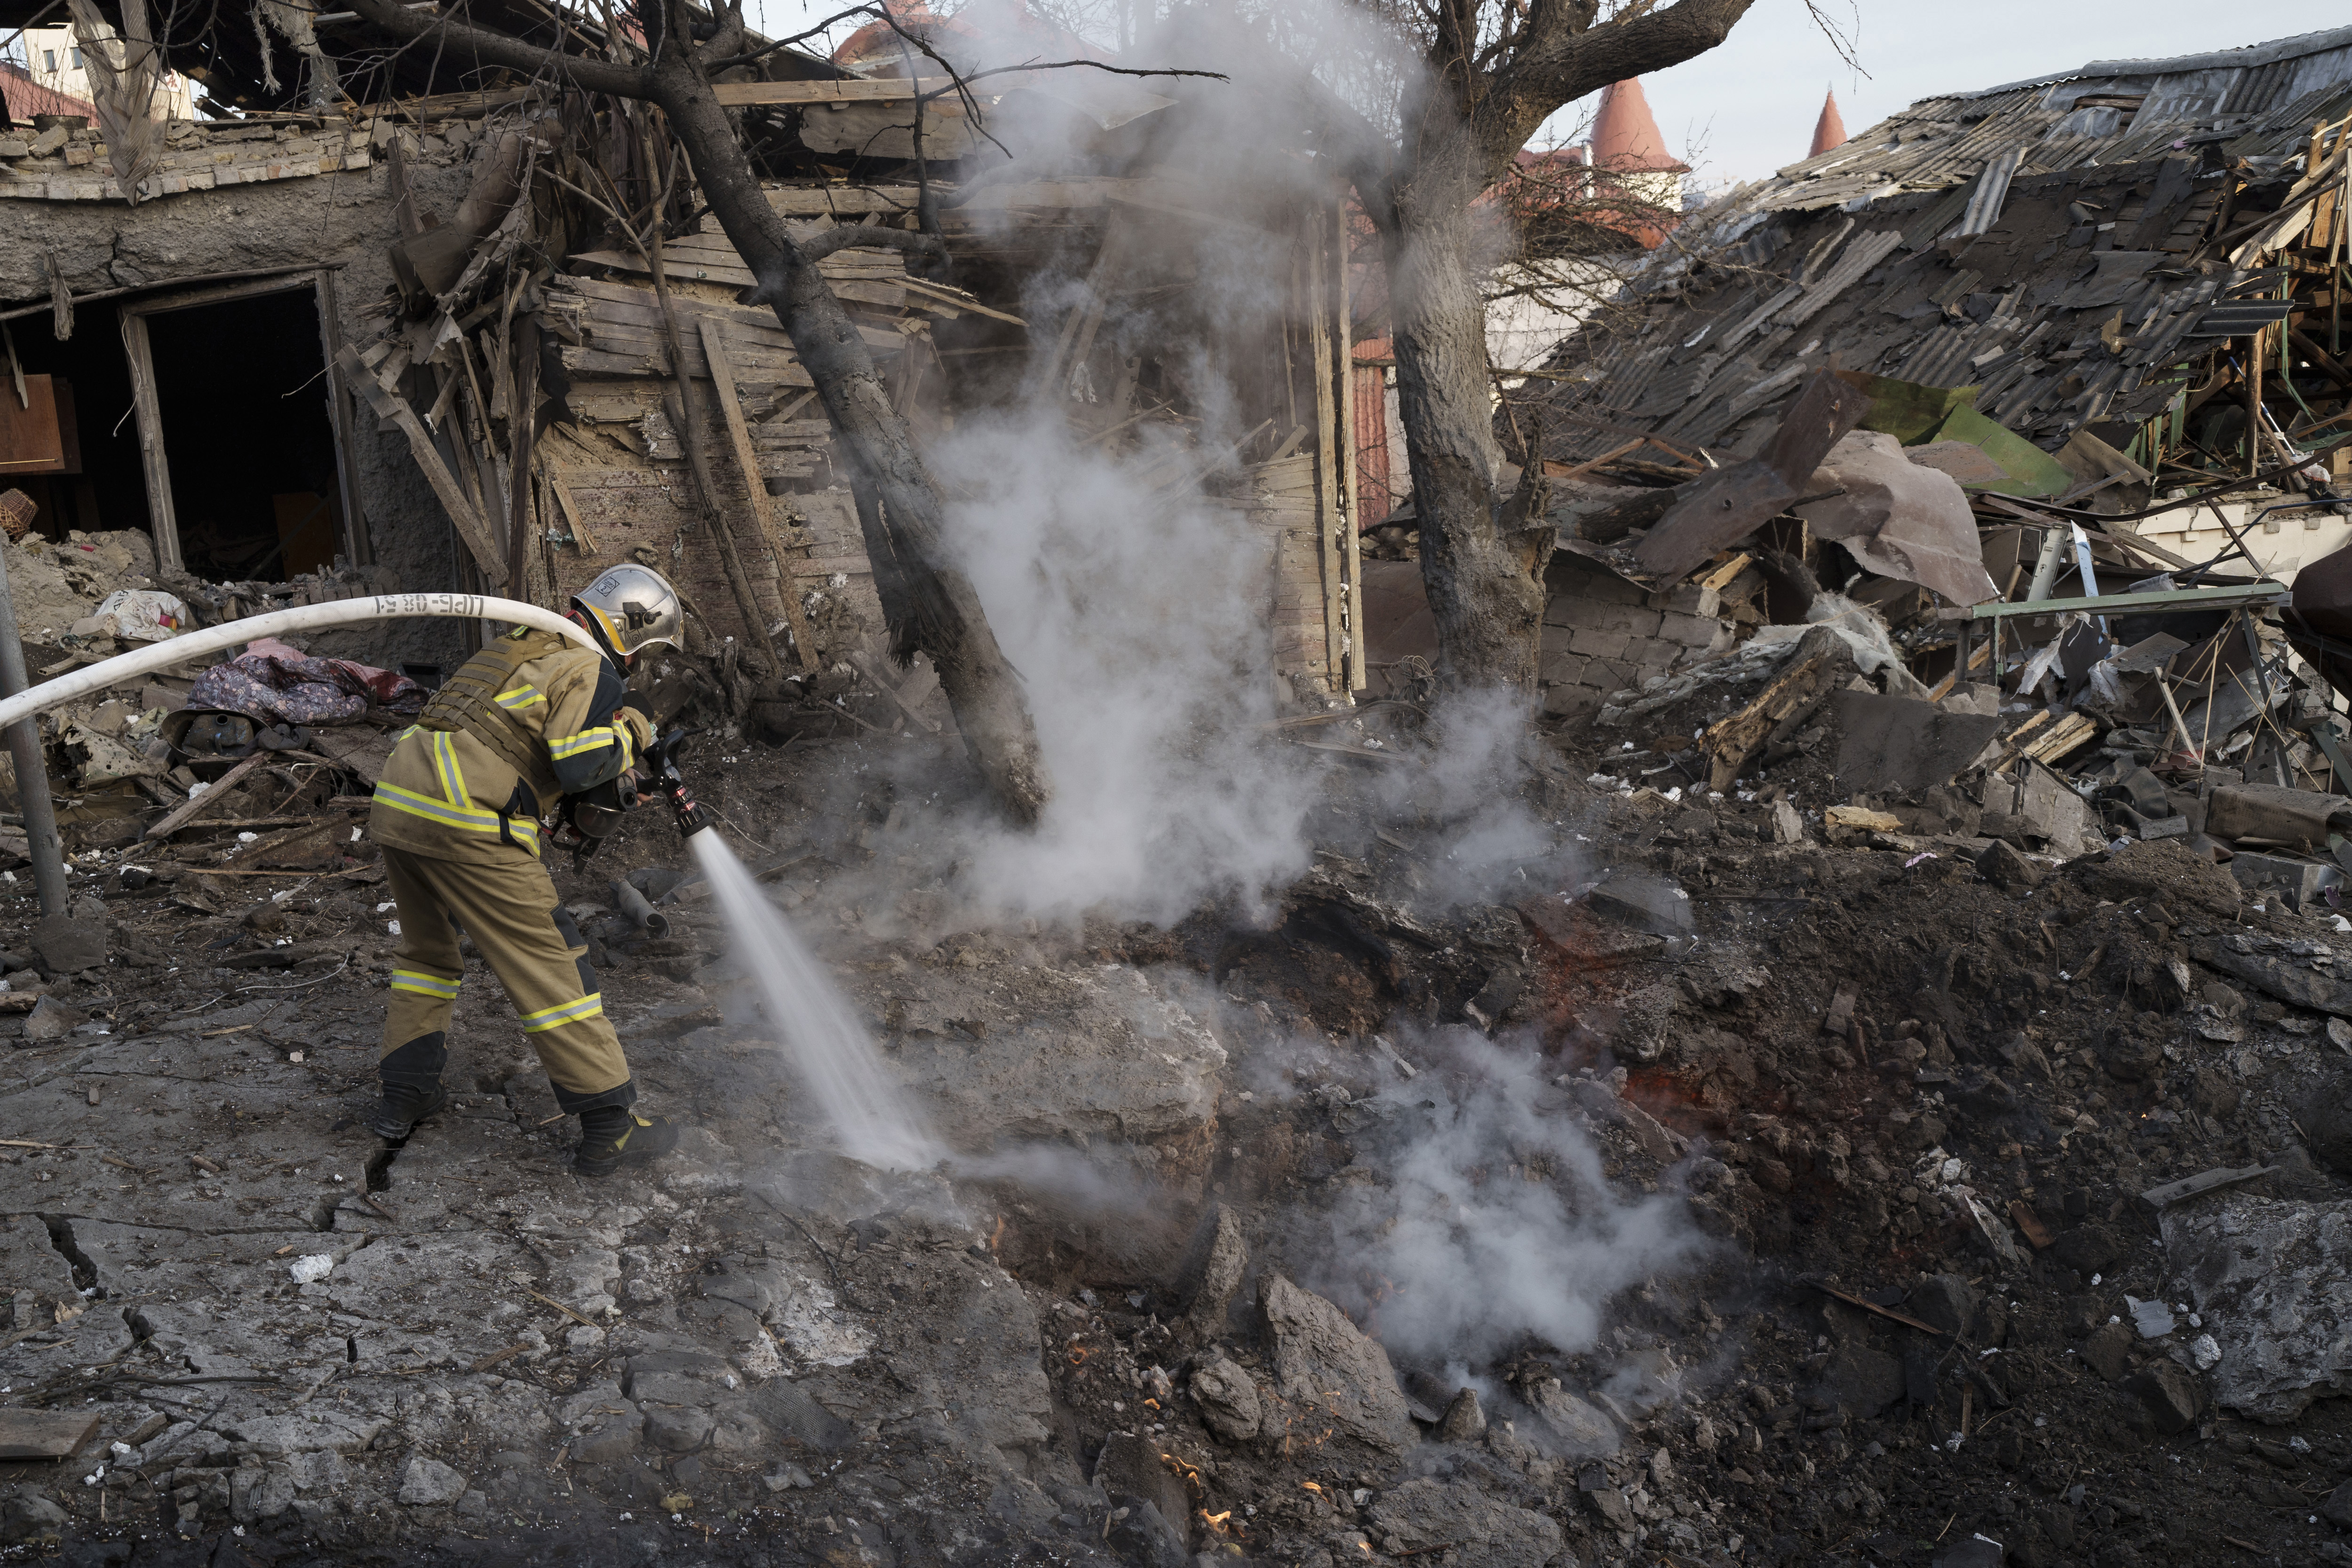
(242,390)
(90,376)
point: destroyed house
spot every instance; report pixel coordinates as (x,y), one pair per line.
(2102,288)
(406,340)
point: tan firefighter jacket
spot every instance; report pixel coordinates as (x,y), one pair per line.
(531,719)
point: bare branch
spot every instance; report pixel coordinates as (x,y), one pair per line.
(768,49)
(1062,65)
(1559,63)
(499,49)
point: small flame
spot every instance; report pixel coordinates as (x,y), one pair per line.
(1078,1357)
(1311,1487)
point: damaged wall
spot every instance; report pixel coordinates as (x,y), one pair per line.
(1603,635)
(299,217)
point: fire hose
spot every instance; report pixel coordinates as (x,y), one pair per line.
(302,617)
(666,776)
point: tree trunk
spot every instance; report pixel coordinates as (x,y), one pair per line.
(938,612)
(1483,572)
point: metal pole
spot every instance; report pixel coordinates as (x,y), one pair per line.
(32,771)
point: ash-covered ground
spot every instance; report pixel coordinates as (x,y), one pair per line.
(1766,1203)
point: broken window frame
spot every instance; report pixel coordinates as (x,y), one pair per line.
(163,520)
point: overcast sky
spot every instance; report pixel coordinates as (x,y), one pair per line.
(1747,107)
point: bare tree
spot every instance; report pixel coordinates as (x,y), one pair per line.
(929,601)
(1490,72)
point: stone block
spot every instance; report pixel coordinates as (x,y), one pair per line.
(2174,1396)
(1570,701)
(2053,813)
(1690,631)
(429,1483)
(1561,667)
(1320,1356)
(67,945)
(1606,676)
(2295,882)
(1596,644)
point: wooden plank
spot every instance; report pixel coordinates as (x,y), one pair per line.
(638,338)
(778,432)
(162,524)
(1343,374)
(44,1434)
(590,362)
(953,298)
(846,201)
(885,90)
(1851,1299)
(2073,731)
(2017,737)
(1326,453)
(606,315)
(217,792)
(2204,1181)
(640,294)
(717,265)
(1717,581)
(714,347)
(389,404)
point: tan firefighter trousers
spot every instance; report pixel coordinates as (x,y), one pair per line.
(534,948)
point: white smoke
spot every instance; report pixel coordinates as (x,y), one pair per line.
(1492,1221)
(1135,602)
(1137,625)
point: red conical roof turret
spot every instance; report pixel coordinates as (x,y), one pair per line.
(1829,130)
(1624,136)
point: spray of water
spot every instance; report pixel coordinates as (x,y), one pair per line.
(827,1046)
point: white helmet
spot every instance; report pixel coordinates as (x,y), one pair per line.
(634,606)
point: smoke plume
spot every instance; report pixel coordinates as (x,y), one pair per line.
(1491,1222)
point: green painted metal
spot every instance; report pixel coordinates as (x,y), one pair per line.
(1906,410)
(2031,471)
(2179,601)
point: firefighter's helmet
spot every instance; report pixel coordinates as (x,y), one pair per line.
(634,606)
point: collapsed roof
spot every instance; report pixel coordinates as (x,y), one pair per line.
(2062,243)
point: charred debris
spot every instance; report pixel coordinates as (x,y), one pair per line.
(1943,811)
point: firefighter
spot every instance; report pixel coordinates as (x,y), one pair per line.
(531,718)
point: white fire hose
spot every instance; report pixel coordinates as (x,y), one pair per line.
(302,617)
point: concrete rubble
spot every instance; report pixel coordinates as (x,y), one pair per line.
(1866,1078)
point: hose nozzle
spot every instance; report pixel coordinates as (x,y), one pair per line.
(693,816)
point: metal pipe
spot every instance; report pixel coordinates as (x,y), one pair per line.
(302,617)
(48,851)
(2045,570)
(638,912)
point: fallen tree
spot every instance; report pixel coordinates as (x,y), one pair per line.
(929,601)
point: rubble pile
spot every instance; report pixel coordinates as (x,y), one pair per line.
(1867,1080)
(2004,1195)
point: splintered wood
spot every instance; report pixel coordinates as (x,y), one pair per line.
(1731,741)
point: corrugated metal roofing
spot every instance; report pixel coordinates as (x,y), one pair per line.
(2082,282)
